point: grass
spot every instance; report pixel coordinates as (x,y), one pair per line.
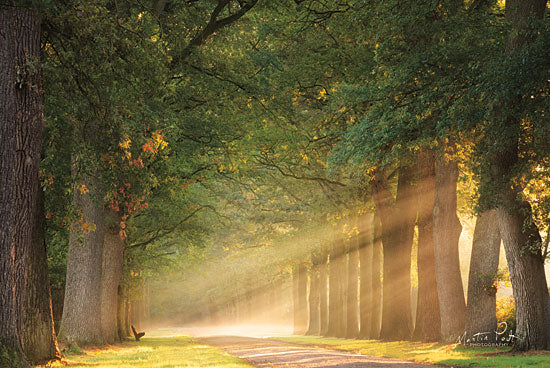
(162,350)
(450,355)
(152,352)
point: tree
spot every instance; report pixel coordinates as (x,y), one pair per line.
(299,280)
(113,247)
(10,342)
(314,326)
(520,235)
(40,340)
(446,232)
(23,111)
(323,291)
(397,217)
(336,300)
(365,236)
(352,304)
(121,77)
(81,321)
(428,322)
(377,259)
(483,278)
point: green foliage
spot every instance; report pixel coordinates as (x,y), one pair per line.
(253,147)
(74,349)
(506,312)
(9,358)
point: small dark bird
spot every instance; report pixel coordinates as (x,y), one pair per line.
(136,334)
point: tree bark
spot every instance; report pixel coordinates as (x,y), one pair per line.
(428,321)
(40,343)
(323,292)
(22,123)
(336,321)
(314,327)
(527,275)
(28,145)
(300,299)
(352,303)
(110,277)
(446,233)
(377,259)
(295,303)
(481,306)
(11,351)
(122,311)
(365,252)
(81,320)
(397,218)
(127,315)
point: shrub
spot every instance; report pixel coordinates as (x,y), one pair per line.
(506,312)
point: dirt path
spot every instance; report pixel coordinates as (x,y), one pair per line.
(264,353)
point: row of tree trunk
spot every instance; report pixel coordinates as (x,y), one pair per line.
(96,308)
(346,296)
(337,304)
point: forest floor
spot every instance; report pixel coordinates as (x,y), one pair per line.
(168,348)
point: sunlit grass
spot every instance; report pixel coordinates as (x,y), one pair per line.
(153,352)
(429,352)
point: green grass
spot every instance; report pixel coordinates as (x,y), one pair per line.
(450,355)
(161,350)
(153,352)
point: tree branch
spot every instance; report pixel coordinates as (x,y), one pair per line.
(213,25)
(163,232)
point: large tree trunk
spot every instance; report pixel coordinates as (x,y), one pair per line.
(40,343)
(447,229)
(28,145)
(336,304)
(365,251)
(300,299)
(110,277)
(377,259)
(22,123)
(352,303)
(397,218)
(526,268)
(81,321)
(314,327)
(11,352)
(428,322)
(323,292)
(519,234)
(481,306)
(522,241)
